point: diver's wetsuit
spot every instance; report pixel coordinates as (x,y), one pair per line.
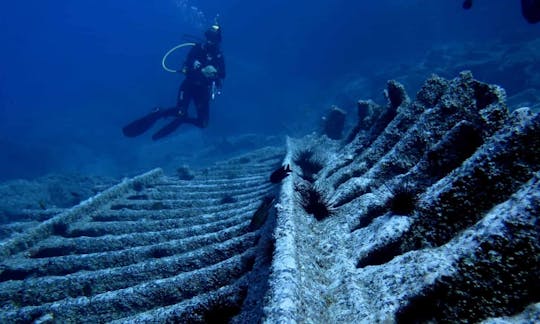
(196,87)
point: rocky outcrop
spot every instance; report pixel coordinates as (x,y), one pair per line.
(511,63)
(152,248)
(334,122)
(431,215)
(427,212)
(26,203)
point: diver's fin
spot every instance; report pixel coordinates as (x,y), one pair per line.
(167,129)
(141,125)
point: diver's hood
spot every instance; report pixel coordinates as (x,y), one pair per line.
(213,34)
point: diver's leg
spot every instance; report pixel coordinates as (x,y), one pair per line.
(179,112)
(170,112)
(202,102)
(141,125)
(169,128)
(183,98)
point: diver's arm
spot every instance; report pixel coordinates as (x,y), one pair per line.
(190,60)
(215,72)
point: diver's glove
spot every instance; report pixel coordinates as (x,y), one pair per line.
(209,72)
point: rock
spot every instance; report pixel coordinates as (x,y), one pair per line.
(428,212)
(334,122)
(450,248)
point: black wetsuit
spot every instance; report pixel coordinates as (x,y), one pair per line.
(196,87)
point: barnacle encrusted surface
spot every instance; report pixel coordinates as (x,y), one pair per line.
(435,205)
(150,249)
(427,212)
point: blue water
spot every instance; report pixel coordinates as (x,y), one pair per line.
(73,72)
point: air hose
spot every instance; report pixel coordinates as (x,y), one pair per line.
(169,52)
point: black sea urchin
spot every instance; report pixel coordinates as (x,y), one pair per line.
(315,203)
(403,201)
(308,163)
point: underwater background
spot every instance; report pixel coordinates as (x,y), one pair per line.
(72,73)
(416,200)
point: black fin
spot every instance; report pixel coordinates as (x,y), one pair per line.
(141,125)
(169,128)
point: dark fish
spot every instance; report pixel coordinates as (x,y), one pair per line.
(280,174)
(261,214)
(531,10)
(467,4)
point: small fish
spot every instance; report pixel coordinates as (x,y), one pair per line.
(467,4)
(261,214)
(280,174)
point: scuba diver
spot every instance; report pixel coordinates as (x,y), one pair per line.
(204,69)
(530,9)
